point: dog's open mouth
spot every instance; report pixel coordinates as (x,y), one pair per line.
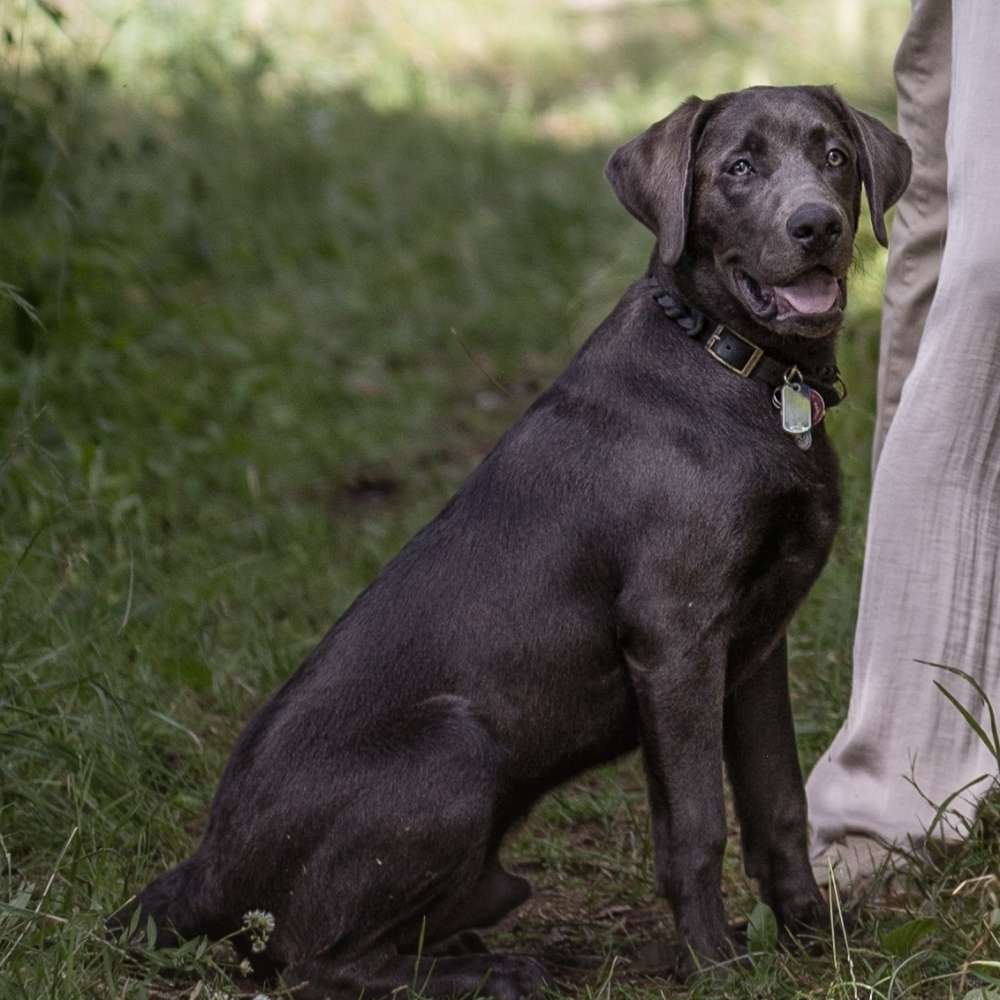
(816,292)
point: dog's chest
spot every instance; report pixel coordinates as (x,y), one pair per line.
(779,543)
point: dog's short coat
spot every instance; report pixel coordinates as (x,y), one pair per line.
(618,572)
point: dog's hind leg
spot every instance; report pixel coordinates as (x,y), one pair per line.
(401,869)
(435,950)
(488,901)
(451,930)
(764,770)
(502,977)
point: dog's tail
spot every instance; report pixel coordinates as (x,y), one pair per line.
(169,901)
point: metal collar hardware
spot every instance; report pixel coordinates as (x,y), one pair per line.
(744,357)
(751,359)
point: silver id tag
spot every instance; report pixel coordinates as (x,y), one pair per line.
(796,409)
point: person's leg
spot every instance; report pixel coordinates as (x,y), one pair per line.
(923,82)
(931,587)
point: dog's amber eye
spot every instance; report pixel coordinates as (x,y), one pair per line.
(836,158)
(740,168)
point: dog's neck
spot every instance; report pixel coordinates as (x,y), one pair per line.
(715,302)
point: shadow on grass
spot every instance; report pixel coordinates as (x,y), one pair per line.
(305,274)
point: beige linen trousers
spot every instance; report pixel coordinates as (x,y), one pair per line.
(931,583)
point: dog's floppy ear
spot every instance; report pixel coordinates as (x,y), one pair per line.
(884,161)
(653,176)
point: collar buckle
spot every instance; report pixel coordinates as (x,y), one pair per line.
(730,354)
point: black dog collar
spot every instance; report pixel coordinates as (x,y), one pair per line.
(744,357)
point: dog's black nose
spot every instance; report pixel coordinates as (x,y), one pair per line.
(815,225)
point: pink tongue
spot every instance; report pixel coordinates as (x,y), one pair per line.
(814,292)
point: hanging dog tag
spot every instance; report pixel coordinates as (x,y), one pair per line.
(804,440)
(796,409)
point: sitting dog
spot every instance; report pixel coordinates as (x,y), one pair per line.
(619,572)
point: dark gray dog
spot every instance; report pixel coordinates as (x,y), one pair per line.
(618,572)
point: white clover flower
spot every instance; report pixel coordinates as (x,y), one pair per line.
(245,967)
(259,920)
(259,925)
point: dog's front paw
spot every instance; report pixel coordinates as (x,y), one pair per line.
(674,960)
(806,912)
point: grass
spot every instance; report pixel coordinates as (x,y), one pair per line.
(263,269)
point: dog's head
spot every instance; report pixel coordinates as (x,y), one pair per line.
(754,198)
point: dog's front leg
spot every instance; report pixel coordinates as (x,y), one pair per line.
(680,702)
(764,770)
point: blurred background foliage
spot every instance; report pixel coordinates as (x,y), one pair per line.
(273,277)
